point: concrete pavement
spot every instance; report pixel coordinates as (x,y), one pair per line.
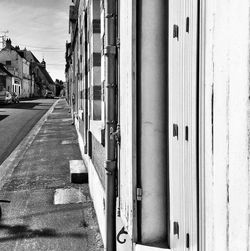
(47,212)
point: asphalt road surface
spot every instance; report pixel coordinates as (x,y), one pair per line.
(16,120)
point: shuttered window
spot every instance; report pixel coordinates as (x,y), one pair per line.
(183,23)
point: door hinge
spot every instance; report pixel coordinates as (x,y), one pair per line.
(187,24)
(116,135)
(176,229)
(139,193)
(176,31)
(186,133)
(110,166)
(175,131)
(118,43)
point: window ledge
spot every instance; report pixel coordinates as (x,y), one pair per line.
(97,129)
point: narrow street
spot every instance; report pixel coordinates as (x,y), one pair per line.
(46,211)
(133,127)
(16,120)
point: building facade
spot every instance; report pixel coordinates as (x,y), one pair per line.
(19,67)
(8,82)
(41,80)
(31,76)
(159,95)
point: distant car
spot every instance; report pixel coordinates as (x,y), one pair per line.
(15,98)
(49,94)
(5,97)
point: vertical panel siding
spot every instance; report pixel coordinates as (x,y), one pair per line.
(175,117)
(208,19)
(190,119)
(127,101)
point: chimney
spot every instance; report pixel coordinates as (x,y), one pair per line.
(43,63)
(8,43)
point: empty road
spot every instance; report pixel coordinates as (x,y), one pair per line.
(16,120)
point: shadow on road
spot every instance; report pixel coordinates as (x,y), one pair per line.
(25,232)
(2,117)
(22,105)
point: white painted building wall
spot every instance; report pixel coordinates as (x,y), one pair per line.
(127,115)
(224,84)
(16,60)
(26,84)
(95,186)
(9,83)
(226,80)
(19,67)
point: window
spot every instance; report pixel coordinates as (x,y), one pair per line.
(96,103)
(8,62)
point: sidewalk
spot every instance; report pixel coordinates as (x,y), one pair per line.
(47,212)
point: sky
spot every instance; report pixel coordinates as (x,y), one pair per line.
(41,26)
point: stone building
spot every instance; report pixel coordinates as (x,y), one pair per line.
(31,75)
(159,95)
(41,79)
(18,66)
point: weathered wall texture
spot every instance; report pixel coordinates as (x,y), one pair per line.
(225,88)
(16,61)
(127,113)
(98,158)
(226,104)
(19,67)
(26,88)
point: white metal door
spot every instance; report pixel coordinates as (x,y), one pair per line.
(183,22)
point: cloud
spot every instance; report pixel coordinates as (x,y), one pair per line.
(38,23)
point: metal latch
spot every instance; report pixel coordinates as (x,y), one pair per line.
(139,193)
